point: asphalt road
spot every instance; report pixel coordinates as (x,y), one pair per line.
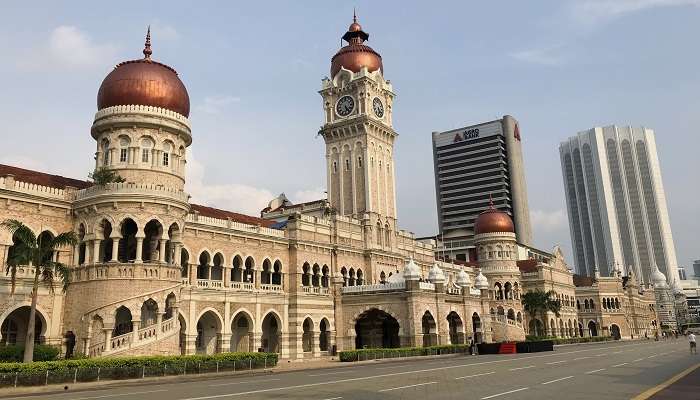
(599,371)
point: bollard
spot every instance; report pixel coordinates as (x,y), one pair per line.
(265,367)
(16,375)
(165,366)
(250,364)
(143,372)
(234,366)
(47,376)
(199,367)
(75,375)
(184,370)
(98,374)
(217,367)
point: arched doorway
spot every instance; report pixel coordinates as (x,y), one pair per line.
(127,243)
(14,327)
(592,329)
(429,329)
(476,326)
(615,332)
(307,337)
(324,335)
(580,329)
(376,329)
(208,330)
(122,322)
(241,326)
(270,333)
(149,311)
(183,334)
(536,328)
(456,328)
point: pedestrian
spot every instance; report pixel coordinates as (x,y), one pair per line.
(471,343)
(693,343)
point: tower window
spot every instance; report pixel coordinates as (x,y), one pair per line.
(166,159)
(347,164)
(359,162)
(335,167)
(145,155)
(122,155)
(105,161)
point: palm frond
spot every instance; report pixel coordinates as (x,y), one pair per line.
(64,239)
(12,271)
(20,231)
(47,277)
(62,271)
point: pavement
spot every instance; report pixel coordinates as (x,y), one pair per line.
(619,370)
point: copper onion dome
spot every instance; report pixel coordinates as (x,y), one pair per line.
(144,82)
(493,220)
(356,55)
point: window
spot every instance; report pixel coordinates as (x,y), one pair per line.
(359,162)
(106,157)
(335,167)
(144,155)
(122,155)
(347,164)
(166,159)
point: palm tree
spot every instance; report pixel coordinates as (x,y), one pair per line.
(540,302)
(38,252)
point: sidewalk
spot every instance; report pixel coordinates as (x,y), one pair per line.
(687,387)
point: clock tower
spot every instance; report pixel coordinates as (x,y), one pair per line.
(359,136)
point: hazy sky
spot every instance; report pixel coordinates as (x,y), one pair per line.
(253,70)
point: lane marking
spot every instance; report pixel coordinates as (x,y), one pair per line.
(393,374)
(617,352)
(619,365)
(242,382)
(408,386)
(639,359)
(594,371)
(333,398)
(395,366)
(517,369)
(663,385)
(580,358)
(501,394)
(653,356)
(475,375)
(557,380)
(601,355)
(556,362)
(333,373)
(120,394)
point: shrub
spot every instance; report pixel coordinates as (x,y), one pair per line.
(370,354)
(15,353)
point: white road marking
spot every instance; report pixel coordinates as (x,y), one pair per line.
(619,365)
(333,373)
(120,394)
(653,356)
(639,359)
(617,352)
(594,371)
(501,394)
(557,380)
(242,382)
(394,366)
(601,355)
(519,368)
(580,358)
(409,386)
(556,362)
(218,396)
(333,398)
(473,376)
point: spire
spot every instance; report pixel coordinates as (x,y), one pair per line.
(354,15)
(355,34)
(491,202)
(147,49)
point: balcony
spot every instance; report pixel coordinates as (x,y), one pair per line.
(130,189)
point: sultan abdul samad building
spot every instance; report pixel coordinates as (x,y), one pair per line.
(156,274)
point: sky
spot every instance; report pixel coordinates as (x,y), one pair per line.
(253,71)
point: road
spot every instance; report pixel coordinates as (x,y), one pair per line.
(596,371)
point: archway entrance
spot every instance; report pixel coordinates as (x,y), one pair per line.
(536,327)
(615,332)
(308,335)
(324,335)
(241,327)
(270,333)
(376,329)
(592,329)
(208,328)
(456,328)
(476,326)
(580,329)
(122,322)
(14,327)
(183,334)
(429,330)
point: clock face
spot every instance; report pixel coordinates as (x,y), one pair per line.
(378,107)
(344,106)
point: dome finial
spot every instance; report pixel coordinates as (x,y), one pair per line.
(147,49)
(354,15)
(491,202)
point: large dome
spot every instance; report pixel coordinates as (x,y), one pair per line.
(144,82)
(356,54)
(493,220)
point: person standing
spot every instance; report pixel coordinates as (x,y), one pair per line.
(693,343)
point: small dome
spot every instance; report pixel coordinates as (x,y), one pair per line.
(493,220)
(480,282)
(144,82)
(658,278)
(463,279)
(411,271)
(356,54)
(396,277)
(436,275)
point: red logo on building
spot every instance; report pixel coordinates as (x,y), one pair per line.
(516,133)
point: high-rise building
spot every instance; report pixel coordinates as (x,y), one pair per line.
(616,202)
(474,165)
(696,268)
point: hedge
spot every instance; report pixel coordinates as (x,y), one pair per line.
(372,354)
(91,369)
(570,340)
(15,353)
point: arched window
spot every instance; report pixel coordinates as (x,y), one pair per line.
(359,161)
(324,276)
(387,239)
(382,277)
(266,275)
(167,148)
(591,304)
(249,275)
(585,304)
(347,164)
(277,273)
(124,149)
(105,152)
(306,275)
(617,303)
(344,273)
(237,270)
(335,167)
(359,280)
(379,234)
(351,277)
(146,149)
(316,277)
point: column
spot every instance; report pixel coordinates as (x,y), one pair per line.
(341,182)
(352,183)
(161,250)
(178,254)
(136,325)
(315,343)
(208,277)
(108,338)
(159,322)
(139,249)
(76,254)
(115,248)
(192,273)
(368,187)
(226,275)
(256,277)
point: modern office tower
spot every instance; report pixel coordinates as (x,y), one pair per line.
(681,274)
(474,165)
(616,202)
(696,268)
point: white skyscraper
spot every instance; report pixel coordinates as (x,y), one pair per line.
(616,202)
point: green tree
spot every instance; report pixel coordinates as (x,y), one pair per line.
(38,252)
(539,302)
(102,176)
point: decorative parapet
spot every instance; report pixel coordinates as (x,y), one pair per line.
(145,110)
(31,188)
(380,287)
(237,226)
(132,188)
(426,286)
(315,220)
